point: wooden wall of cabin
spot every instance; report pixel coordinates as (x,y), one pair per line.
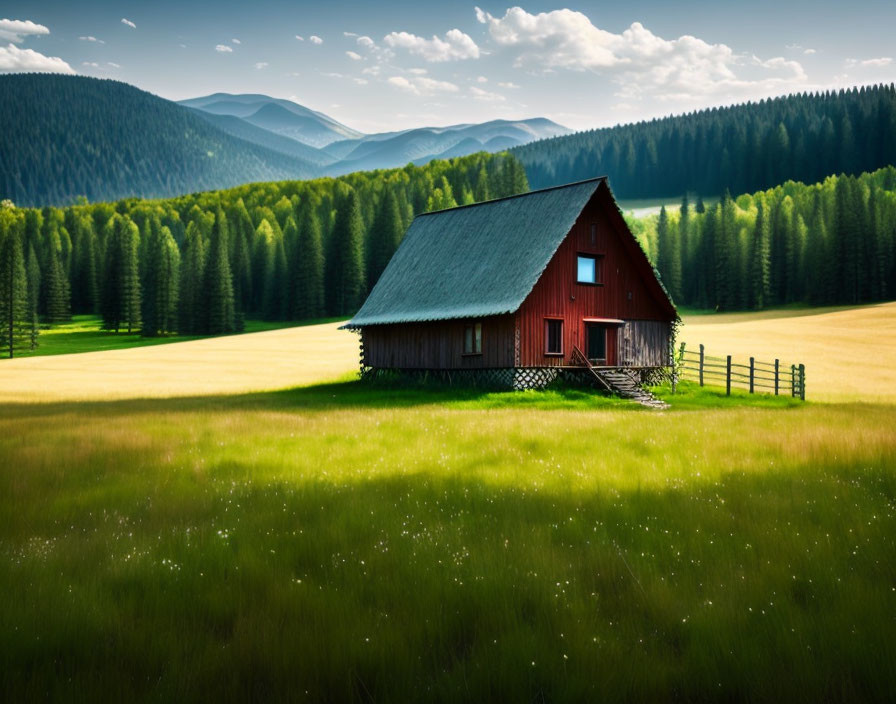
(622,295)
(439,345)
(643,343)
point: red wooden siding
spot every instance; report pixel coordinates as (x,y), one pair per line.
(439,345)
(623,295)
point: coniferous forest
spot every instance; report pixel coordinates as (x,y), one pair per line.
(833,242)
(744,148)
(202,264)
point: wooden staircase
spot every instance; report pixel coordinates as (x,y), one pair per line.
(620,382)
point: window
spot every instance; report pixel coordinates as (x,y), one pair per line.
(588,269)
(473,338)
(553,337)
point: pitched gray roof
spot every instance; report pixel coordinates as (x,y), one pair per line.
(475,260)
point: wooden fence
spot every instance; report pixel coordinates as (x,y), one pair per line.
(756,377)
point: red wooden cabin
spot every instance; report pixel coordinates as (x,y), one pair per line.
(519,284)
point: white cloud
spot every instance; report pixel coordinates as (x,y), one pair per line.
(420,85)
(508,84)
(643,64)
(485,95)
(91,64)
(809,52)
(360,81)
(354,56)
(128,23)
(314,39)
(482,79)
(366,42)
(455,45)
(300,37)
(349,34)
(91,39)
(261,64)
(372,70)
(869,63)
(15,60)
(17,30)
(223,48)
(236,41)
(418,71)
(113,64)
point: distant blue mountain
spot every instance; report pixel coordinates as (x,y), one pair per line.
(339,149)
(283,117)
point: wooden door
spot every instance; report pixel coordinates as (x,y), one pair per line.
(596,343)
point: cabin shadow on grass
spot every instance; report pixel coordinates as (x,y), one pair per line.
(356,394)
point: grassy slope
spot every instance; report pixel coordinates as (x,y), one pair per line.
(84,334)
(350,543)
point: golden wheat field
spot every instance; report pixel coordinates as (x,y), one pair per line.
(259,361)
(849,353)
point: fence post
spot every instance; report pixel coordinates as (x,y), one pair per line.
(793,380)
(751,374)
(728,379)
(802,382)
(777,363)
(701,365)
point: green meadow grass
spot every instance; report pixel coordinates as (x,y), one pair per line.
(346,542)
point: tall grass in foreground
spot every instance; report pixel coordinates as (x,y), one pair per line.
(347,544)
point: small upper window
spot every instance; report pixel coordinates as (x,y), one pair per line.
(588,270)
(473,338)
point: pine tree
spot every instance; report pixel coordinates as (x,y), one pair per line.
(161,284)
(664,245)
(192,274)
(725,264)
(291,248)
(796,245)
(818,257)
(242,234)
(759,260)
(846,236)
(344,264)
(14,323)
(218,288)
(85,291)
(684,244)
(55,290)
(121,290)
(308,268)
(383,238)
(32,273)
(481,190)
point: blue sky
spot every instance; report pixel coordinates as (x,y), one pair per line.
(380,66)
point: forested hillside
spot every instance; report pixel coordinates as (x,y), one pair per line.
(833,242)
(202,263)
(745,148)
(70,136)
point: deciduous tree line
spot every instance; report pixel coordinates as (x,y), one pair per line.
(833,242)
(203,263)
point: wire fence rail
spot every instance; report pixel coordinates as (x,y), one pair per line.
(756,377)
